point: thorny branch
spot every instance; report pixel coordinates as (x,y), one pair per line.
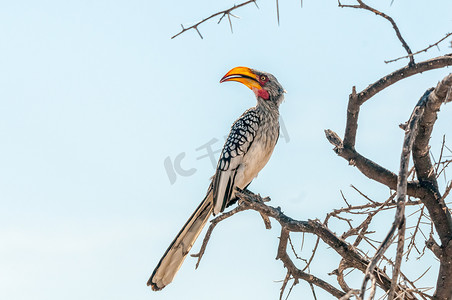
(224,13)
(352,258)
(420,51)
(426,189)
(364,6)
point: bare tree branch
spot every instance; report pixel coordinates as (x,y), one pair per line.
(346,148)
(424,168)
(369,168)
(297,273)
(398,261)
(420,51)
(433,200)
(408,141)
(226,12)
(364,6)
(214,223)
(357,99)
(347,251)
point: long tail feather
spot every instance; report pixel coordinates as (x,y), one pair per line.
(175,255)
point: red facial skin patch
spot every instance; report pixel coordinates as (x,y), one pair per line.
(261,93)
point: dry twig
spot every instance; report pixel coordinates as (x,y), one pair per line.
(420,51)
(226,12)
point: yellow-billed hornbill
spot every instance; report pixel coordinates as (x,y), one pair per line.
(246,151)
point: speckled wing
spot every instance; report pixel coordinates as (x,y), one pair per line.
(240,138)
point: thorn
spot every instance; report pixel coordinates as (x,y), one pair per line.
(255,3)
(230,23)
(182,26)
(199,33)
(277,10)
(219,21)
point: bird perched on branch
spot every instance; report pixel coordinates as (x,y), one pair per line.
(246,151)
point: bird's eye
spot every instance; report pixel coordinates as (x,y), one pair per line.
(264,78)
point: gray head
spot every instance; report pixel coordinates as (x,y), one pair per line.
(264,85)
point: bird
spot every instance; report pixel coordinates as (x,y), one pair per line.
(247,149)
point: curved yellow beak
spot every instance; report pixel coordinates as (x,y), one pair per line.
(243,75)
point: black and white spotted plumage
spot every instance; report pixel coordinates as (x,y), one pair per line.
(247,149)
(240,138)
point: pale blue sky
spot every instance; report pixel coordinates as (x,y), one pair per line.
(94,96)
